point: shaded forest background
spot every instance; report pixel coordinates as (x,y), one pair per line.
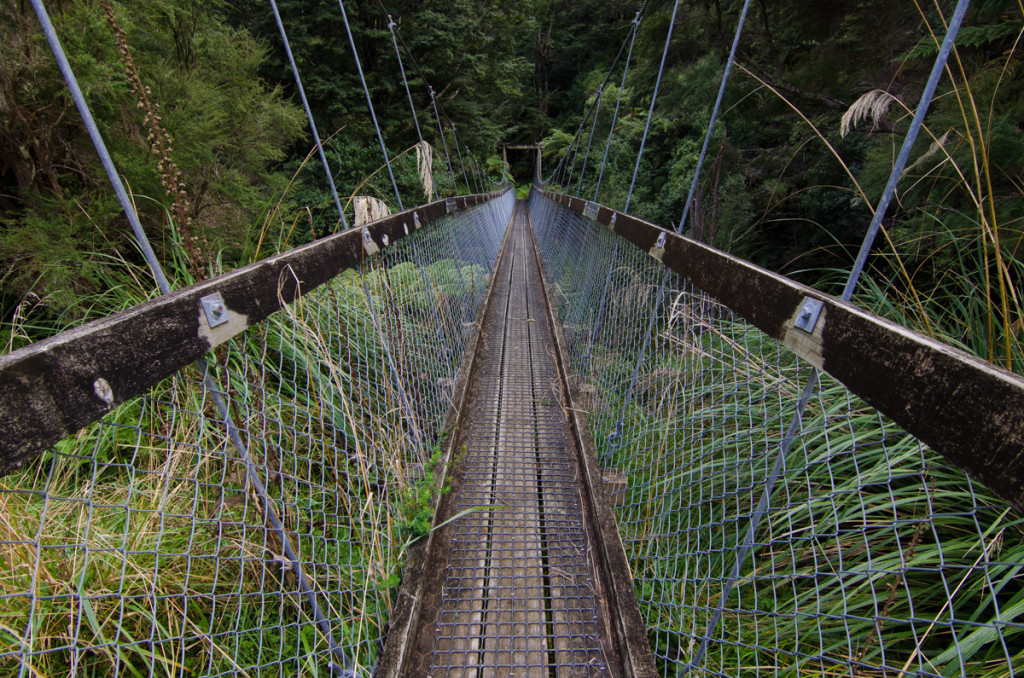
(198,106)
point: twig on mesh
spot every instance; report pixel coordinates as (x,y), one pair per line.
(908,555)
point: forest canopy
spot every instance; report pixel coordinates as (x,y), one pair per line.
(198,105)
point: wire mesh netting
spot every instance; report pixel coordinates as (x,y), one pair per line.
(874,556)
(137,547)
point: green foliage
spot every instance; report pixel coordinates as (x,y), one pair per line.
(782,187)
(417,501)
(228,131)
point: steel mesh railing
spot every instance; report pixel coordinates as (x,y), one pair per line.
(874,557)
(136,547)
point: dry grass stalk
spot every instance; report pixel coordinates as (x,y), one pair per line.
(424,163)
(160,145)
(936,146)
(872,105)
(369,209)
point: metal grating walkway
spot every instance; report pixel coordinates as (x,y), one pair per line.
(519,596)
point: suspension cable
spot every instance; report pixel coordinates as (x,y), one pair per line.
(101,147)
(714,116)
(570,155)
(618,100)
(440,130)
(908,143)
(438,107)
(396,37)
(575,145)
(477,170)
(472,170)
(590,140)
(405,81)
(455,141)
(369,103)
(481,177)
(601,89)
(654,100)
(309,113)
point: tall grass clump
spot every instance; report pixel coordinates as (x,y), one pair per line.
(951,259)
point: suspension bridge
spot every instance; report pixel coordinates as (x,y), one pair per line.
(496,437)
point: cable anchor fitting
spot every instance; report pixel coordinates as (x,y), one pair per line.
(807,316)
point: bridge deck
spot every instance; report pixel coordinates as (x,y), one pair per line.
(519,595)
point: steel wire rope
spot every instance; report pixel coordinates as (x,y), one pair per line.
(369,104)
(472,170)
(571,149)
(395,37)
(419,135)
(346,667)
(405,80)
(590,140)
(607,79)
(437,105)
(618,99)
(477,170)
(481,173)
(568,167)
(618,432)
(714,116)
(410,414)
(654,101)
(455,142)
(602,304)
(792,432)
(575,146)
(309,113)
(570,152)
(440,131)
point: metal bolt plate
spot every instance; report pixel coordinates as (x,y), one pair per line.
(661,240)
(807,317)
(590,210)
(215,310)
(450,205)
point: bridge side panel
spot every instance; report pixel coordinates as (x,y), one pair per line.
(139,546)
(870,541)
